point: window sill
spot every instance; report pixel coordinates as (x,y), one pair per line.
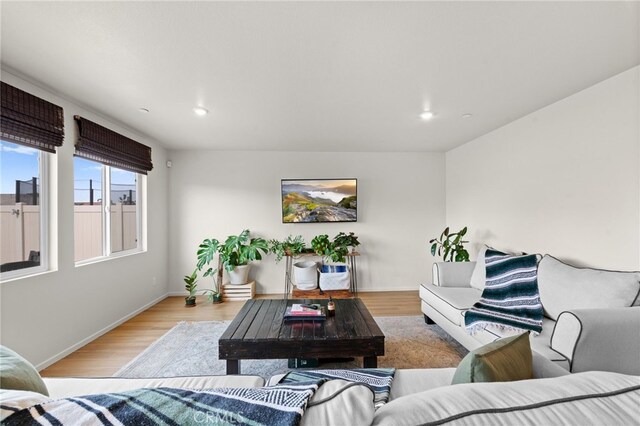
(112,256)
(8,277)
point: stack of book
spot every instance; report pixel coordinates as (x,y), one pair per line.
(299,311)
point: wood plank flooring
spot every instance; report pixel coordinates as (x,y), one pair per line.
(108,353)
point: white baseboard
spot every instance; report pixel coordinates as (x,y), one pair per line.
(97,334)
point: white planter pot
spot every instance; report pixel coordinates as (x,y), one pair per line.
(306,274)
(240,275)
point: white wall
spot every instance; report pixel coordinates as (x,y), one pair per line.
(563,180)
(400,206)
(43,317)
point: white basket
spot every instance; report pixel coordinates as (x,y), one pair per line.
(306,274)
(335,280)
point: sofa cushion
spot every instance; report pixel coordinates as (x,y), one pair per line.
(17,373)
(451,302)
(414,380)
(67,387)
(338,402)
(504,360)
(452,274)
(564,287)
(572,399)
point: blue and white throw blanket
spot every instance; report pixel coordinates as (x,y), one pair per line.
(377,379)
(278,405)
(510,299)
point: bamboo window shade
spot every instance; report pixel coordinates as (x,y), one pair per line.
(28,120)
(105,146)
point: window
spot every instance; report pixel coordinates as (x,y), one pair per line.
(22,209)
(109,170)
(30,131)
(107,214)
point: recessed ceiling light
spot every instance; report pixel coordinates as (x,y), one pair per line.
(201,111)
(145,110)
(467,115)
(427,115)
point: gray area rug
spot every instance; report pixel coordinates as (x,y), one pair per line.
(191,349)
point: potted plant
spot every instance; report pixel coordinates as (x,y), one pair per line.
(337,249)
(213,294)
(291,246)
(346,240)
(322,246)
(235,255)
(450,246)
(191,284)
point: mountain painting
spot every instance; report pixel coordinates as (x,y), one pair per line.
(320,200)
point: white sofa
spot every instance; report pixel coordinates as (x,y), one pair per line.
(591,322)
(425,396)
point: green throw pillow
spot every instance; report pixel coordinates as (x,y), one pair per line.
(504,360)
(18,374)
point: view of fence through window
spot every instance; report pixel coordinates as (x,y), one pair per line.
(124,215)
(20,215)
(90,217)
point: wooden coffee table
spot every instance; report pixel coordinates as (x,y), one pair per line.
(259,332)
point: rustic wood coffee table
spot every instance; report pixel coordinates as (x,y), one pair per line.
(260,332)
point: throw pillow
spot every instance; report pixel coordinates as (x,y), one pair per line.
(504,360)
(564,287)
(479,275)
(17,373)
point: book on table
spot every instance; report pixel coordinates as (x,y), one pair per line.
(299,311)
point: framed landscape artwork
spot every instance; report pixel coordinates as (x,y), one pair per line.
(319,200)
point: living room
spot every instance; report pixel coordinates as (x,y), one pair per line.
(534,142)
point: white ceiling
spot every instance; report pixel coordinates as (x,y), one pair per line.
(318,76)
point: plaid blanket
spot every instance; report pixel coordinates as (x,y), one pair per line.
(377,379)
(510,299)
(278,405)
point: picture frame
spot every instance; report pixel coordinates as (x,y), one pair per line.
(322,200)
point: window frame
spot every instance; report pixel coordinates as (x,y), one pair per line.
(45,217)
(107,253)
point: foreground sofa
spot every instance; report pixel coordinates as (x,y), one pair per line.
(418,396)
(592,317)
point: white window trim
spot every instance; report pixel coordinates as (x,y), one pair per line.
(43,169)
(106,221)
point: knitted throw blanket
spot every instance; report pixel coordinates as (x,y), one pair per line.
(279,405)
(510,299)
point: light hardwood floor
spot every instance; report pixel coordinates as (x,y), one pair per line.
(108,353)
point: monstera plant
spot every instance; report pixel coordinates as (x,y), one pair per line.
(235,254)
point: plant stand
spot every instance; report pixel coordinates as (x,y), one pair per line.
(238,292)
(288,273)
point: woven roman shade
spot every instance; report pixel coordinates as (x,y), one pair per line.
(29,120)
(105,146)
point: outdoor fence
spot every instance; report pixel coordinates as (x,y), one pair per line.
(20,230)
